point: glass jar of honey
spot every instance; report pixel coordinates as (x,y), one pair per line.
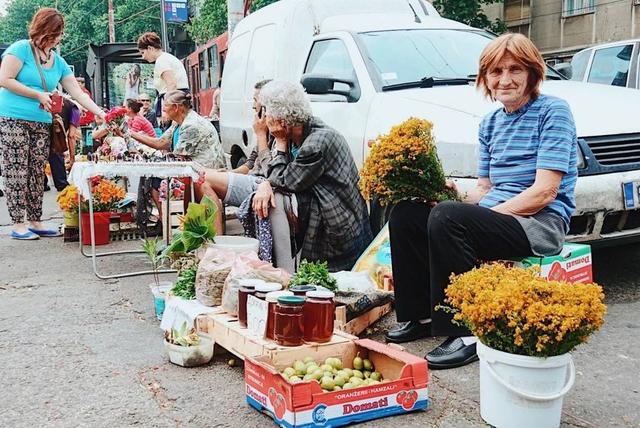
(289,322)
(247,288)
(266,287)
(301,290)
(272,300)
(319,312)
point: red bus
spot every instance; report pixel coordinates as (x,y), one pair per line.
(204,69)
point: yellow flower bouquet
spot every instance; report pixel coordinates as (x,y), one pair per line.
(106,195)
(516,311)
(404,164)
(69,199)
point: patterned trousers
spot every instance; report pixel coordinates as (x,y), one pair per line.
(25,148)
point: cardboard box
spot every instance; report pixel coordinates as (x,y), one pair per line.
(304,404)
(573,264)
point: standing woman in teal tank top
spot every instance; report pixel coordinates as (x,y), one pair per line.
(25,118)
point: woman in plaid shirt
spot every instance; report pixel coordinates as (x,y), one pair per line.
(313,161)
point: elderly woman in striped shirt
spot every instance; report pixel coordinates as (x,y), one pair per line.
(521,206)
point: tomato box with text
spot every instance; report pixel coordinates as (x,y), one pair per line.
(305,404)
(573,264)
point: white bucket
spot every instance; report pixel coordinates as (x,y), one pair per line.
(520,391)
(235,243)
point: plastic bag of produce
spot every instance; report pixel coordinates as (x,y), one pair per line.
(213,270)
(248,266)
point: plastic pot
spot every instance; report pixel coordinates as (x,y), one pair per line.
(190,356)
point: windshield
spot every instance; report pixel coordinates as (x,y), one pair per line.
(403,56)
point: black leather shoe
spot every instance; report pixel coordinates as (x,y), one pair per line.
(408,331)
(451,353)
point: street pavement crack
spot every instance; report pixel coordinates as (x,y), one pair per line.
(148,381)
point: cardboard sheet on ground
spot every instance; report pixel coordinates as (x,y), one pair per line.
(376,259)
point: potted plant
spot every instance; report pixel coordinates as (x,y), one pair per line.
(151,247)
(106,195)
(186,348)
(196,227)
(404,164)
(526,327)
(68,200)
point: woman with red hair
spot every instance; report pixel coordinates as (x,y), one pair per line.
(29,74)
(521,206)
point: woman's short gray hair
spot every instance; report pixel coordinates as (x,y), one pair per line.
(287,101)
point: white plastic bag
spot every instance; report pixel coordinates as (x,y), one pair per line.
(360,282)
(213,270)
(248,266)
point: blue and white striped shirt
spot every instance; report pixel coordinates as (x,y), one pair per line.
(540,135)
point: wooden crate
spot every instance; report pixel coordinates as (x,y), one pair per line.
(70,234)
(225,331)
(175,209)
(359,324)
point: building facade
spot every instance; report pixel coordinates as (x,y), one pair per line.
(560,28)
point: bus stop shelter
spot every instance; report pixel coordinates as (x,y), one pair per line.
(98,60)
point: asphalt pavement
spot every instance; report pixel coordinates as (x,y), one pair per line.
(78,351)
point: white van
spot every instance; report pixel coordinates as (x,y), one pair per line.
(371,64)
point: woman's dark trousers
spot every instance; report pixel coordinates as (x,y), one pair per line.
(429,244)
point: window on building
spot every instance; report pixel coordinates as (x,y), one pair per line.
(516,10)
(610,66)
(577,7)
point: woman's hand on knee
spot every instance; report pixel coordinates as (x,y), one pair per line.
(263,199)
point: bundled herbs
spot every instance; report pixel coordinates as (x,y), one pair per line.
(404,165)
(515,310)
(198,226)
(314,273)
(185,286)
(183,336)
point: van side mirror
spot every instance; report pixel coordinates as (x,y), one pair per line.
(322,84)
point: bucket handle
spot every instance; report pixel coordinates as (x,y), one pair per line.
(536,397)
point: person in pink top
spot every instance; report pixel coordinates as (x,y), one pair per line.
(137,122)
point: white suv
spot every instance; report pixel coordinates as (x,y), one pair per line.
(616,64)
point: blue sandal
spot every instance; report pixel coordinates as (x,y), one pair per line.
(27,236)
(46,233)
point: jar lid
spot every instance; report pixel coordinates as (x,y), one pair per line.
(304,287)
(250,282)
(291,300)
(272,296)
(321,294)
(266,287)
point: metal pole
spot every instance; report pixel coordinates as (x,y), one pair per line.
(112,27)
(163,27)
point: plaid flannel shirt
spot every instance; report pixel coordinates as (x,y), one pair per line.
(333,216)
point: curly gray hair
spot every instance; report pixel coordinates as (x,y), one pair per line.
(287,101)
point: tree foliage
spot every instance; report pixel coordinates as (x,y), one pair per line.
(85,22)
(470,12)
(211,19)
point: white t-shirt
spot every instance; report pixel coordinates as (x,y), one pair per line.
(168,62)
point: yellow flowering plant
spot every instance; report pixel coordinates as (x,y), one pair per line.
(106,195)
(514,310)
(69,199)
(404,164)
